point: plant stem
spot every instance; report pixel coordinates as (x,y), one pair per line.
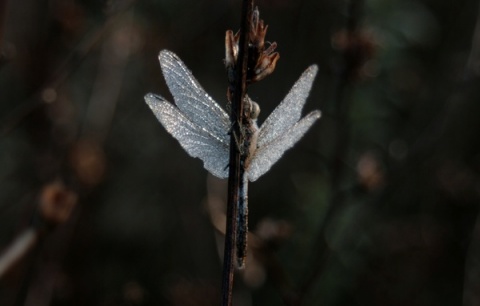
(17,250)
(235,165)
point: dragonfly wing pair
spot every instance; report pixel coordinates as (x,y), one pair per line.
(197,141)
(201,126)
(198,123)
(283,128)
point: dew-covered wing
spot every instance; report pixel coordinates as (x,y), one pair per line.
(191,98)
(196,140)
(289,111)
(266,156)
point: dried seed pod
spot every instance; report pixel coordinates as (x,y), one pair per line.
(261,61)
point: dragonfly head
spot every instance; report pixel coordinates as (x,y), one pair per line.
(254,109)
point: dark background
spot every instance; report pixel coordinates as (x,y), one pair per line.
(376,205)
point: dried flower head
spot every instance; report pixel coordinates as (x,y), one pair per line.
(261,60)
(264,60)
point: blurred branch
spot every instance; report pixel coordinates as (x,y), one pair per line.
(55,206)
(471,293)
(351,59)
(471,288)
(17,250)
(56,200)
(3,12)
(108,83)
(473,63)
(63,71)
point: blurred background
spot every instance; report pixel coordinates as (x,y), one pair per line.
(376,205)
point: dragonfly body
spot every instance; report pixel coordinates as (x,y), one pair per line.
(242,222)
(250,137)
(202,128)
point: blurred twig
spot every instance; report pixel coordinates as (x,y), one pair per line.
(56,201)
(22,244)
(55,205)
(69,64)
(235,175)
(345,72)
(473,64)
(114,57)
(471,293)
(471,288)
(3,10)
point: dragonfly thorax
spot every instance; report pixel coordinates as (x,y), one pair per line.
(250,130)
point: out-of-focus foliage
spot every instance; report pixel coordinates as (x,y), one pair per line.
(146,228)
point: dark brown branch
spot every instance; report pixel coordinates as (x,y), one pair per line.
(235,171)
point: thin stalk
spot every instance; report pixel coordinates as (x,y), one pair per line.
(235,166)
(17,250)
(342,139)
(31,240)
(472,68)
(69,65)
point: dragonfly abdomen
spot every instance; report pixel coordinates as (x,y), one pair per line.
(242,222)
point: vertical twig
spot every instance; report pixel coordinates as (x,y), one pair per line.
(473,63)
(5,53)
(235,175)
(341,108)
(55,201)
(342,135)
(471,292)
(69,64)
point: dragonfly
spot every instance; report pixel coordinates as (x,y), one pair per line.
(203,129)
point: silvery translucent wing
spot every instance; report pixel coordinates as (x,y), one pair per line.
(198,123)
(201,126)
(190,97)
(282,129)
